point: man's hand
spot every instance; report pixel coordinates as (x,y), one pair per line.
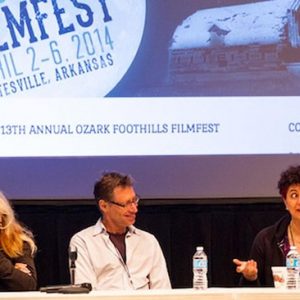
(247,268)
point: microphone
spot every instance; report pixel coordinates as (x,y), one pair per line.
(72,258)
(73,253)
(72,288)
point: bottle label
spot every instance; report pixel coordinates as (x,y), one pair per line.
(292,262)
(199,263)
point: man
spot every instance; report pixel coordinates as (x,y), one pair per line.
(113,254)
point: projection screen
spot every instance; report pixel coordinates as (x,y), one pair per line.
(196,99)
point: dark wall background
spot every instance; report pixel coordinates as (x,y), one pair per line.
(225,230)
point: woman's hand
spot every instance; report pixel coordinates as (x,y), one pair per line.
(22,267)
(247,268)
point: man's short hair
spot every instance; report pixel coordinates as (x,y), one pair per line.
(104,187)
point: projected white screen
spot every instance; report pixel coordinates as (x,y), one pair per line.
(180,95)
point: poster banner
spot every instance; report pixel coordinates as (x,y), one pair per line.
(99,78)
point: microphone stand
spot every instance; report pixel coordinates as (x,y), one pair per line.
(82,288)
(73,258)
(75,288)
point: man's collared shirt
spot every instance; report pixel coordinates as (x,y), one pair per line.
(100,263)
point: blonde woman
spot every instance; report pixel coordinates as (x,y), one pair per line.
(17,248)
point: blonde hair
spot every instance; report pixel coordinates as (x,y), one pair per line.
(12,233)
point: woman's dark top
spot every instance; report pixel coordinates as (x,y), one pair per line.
(269,249)
(12,279)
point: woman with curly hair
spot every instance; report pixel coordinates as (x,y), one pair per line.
(17,249)
(272,244)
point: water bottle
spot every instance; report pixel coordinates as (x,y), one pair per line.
(200,269)
(292,268)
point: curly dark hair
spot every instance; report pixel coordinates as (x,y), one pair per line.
(287,178)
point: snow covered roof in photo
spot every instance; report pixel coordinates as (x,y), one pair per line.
(255,23)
